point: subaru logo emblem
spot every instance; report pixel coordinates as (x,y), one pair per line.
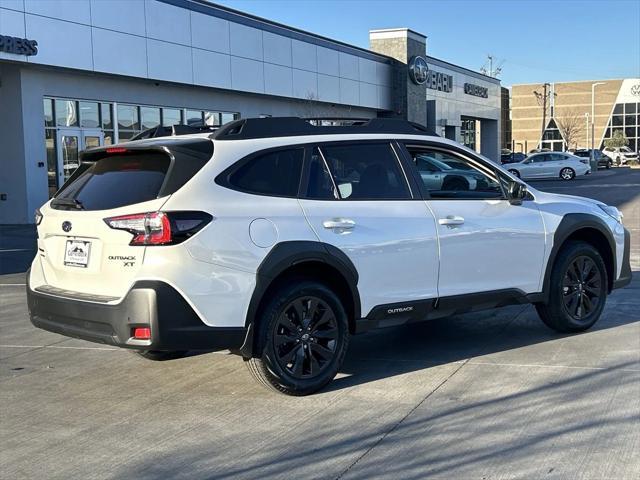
(66,226)
(418,70)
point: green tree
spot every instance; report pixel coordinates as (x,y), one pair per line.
(618,140)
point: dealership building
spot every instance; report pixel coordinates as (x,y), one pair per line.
(559,115)
(76,74)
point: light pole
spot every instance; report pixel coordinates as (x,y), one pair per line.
(593,106)
(586,116)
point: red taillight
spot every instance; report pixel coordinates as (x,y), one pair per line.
(141,333)
(160,228)
(148,228)
(116,150)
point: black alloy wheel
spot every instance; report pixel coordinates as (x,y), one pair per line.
(302,336)
(577,289)
(305,337)
(581,288)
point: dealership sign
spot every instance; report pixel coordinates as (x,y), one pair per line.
(18,46)
(418,70)
(476,90)
(439,81)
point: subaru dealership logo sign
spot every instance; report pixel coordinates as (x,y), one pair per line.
(418,70)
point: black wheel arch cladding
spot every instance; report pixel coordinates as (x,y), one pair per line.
(571,224)
(289,254)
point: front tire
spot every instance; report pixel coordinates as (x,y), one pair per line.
(577,289)
(567,173)
(303,337)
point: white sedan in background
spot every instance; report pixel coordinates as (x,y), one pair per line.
(550,165)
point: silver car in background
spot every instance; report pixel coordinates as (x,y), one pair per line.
(550,165)
(438,175)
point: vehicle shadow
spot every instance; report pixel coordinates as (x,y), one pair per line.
(396,351)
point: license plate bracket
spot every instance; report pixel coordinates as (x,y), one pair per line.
(76,253)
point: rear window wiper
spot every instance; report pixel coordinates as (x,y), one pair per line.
(67,202)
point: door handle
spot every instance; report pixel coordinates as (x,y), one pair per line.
(451,220)
(339,223)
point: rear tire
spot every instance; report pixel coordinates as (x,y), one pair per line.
(577,289)
(303,336)
(567,173)
(514,172)
(160,356)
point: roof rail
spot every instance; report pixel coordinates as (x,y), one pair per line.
(252,128)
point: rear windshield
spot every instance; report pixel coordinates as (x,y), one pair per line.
(114,182)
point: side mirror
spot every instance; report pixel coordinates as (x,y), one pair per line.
(516,193)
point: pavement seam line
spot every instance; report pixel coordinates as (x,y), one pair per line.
(399,422)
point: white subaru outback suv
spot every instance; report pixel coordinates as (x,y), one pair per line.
(278,240)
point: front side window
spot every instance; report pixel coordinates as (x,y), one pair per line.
(357,172)
(275,173)
(474,181)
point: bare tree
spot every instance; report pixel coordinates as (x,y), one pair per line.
(571,125)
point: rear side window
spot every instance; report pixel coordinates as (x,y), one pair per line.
(358,172)
(276,173)
(114,182)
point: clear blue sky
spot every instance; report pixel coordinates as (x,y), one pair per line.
(538,41)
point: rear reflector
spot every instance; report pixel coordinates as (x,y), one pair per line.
(116,150)
(142,333)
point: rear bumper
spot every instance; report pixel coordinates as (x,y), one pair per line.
(174,324)
(625,274)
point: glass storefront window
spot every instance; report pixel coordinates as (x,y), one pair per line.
(109,137)
(105,111)
(616,120)
(630,108)
(194,117)
(630,132)
(128,117)
(52,169)
(150,117)
(212,119)
(630,120)
(171,116)
(48,113)
(89,117)
(617,110)
(124,136)
(66,113)
(229,117)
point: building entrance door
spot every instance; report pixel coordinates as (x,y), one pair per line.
(70,142)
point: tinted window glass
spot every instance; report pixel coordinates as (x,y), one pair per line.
(275,173)
(366,172)
(320,185)
(116,181)
(475,181)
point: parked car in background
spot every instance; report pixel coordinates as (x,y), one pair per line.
(603,160)
(512,157)
(550,165)
(620,155)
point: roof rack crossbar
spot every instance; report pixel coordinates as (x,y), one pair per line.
(254,128)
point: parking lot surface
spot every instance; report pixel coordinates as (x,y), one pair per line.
(488,395)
